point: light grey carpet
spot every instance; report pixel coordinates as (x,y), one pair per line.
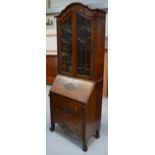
(61,142)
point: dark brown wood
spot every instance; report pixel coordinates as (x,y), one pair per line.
(51,68)
(72,88)
(76,94)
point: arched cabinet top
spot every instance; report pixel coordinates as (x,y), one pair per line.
(83,9)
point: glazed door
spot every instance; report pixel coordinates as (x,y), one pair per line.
(65,46)
(75,46)
(83,41)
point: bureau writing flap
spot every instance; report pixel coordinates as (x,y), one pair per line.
(76,89)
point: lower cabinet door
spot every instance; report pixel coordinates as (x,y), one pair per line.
(68,113)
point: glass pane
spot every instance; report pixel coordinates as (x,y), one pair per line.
(66,45)
(83,45)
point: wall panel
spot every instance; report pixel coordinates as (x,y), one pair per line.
(51,68)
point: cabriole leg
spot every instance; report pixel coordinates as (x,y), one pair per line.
(52,127)
(97,135)
(84,145)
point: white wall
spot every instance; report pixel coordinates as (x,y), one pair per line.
(63,3)
(51,39)
(51,44)
(106,29)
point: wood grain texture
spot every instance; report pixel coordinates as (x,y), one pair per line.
(69,114)
(72,88)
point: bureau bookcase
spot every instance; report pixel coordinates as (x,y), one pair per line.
(76,93)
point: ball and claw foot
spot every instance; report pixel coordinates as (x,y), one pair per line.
(52,128)
(84,148)
(97,135)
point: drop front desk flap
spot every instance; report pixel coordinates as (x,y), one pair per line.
(76,89)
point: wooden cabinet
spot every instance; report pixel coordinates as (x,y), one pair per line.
(76,94)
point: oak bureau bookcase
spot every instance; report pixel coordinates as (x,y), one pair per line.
(76,94)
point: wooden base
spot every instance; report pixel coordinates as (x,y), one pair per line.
(52,127)
(84,148)
(97,135)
